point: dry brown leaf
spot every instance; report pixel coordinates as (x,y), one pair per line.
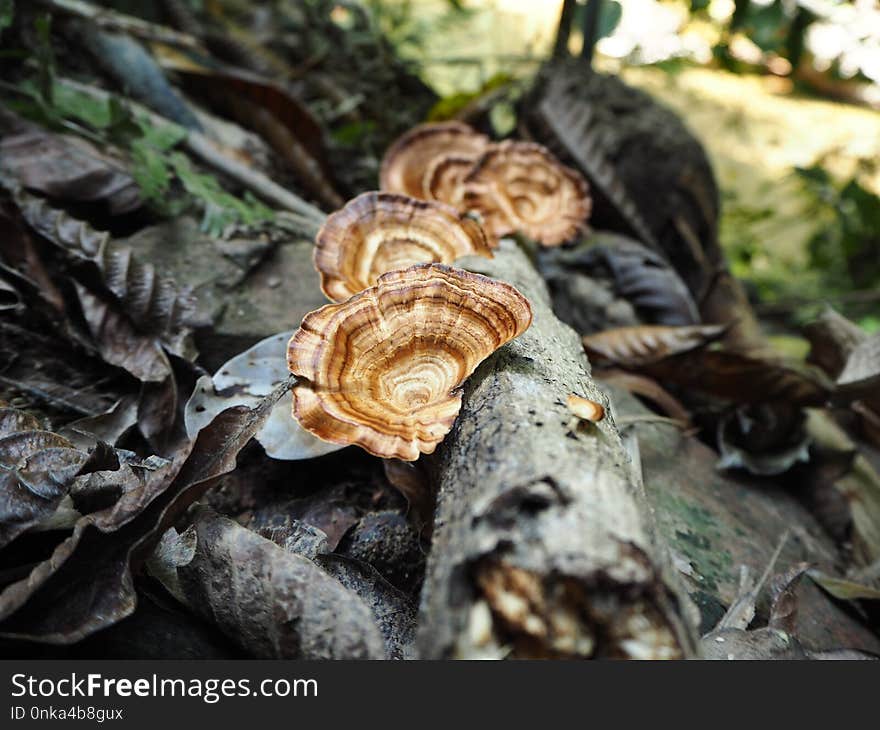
(153,301)
(636,347)
(640,275)
(119,343)
(832,339)
(845,590)
(410,479)
(276,115)
(649,389)
(37,469)
(743,378)
(273,603)
(86,584)
(764,439)
(67,168)
(860,377)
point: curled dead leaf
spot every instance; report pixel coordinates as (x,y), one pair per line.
(86,584)
(155,303)
(67,168)
(244,381)
(273,603)
(636,347)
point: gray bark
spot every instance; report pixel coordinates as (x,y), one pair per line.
(544,545)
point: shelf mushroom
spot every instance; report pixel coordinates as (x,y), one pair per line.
(380,232)
(521,186)
(384,369)
(411,157)
(444,179)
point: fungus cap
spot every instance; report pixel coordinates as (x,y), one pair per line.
(521,186)
(383,370)
(585,409)
(444,179)
(380,232)
(411,155)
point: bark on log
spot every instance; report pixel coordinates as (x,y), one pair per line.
(544,545)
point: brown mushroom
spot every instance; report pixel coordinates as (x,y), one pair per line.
(444,179)
(383,370)
(521,186)
(585,409)
(407,160)
(380,232)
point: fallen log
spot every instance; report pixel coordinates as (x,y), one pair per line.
(544,545)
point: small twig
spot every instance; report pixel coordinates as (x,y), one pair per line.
(563,32)
(114,20)
(590,28)
(198,144)
(46,397)
(741,612)
(256,182)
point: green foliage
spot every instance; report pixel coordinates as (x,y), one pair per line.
(98,113)
(150,166)
(847,248)
(7,12)
(767,25)
(353,133)
(870,324)
(407,27)
(168,181)
(448,107)
(778,27)
(609,17)
(220,208)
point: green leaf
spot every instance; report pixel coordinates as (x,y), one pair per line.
(503,118)
(150,172)
(44,57)
(162,137)
(221,209)
(7,12)
(75,104)
(609,18)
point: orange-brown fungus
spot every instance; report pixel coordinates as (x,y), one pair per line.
(410,157)
(383,369)
(380,232)
(520,186)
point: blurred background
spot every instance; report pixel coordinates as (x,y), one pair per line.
(782,93)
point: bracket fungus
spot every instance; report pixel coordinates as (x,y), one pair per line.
(521,186)
(380,232)
(444,179)
(412,155)
(384,369)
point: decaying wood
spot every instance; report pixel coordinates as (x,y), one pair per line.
(543,544)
